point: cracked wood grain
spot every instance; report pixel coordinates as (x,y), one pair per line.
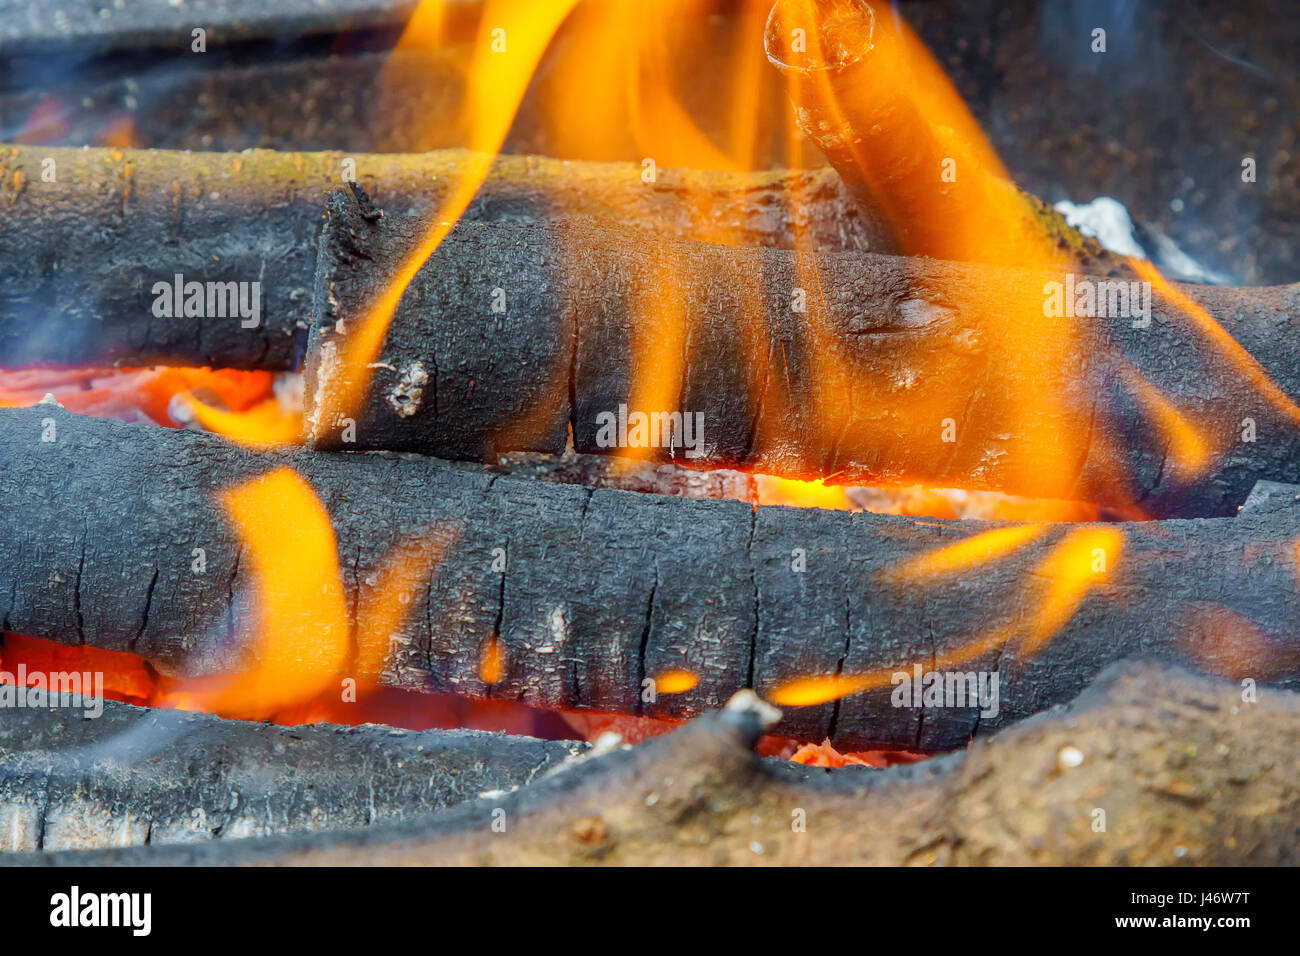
(888,350)
(80,255)
(134,776)
(1220,594)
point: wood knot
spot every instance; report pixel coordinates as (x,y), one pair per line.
(591,833)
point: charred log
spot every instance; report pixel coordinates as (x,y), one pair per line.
(252,96)
(314,74)
(59,25)
(594,593)
(1269,496)
(83,251)
(1165,756)
(804,366)
(133,776)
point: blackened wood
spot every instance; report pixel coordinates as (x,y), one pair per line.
(311,94)
(134,776)
(604,589)
(1182,768)
(74,26)
(523,333)
(1268,496)
(79,256)
(263,83)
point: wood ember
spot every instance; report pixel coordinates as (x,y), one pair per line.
(1177,768)
(133,776)
(142,394)
(604,589)
(908,334)
(83,254)
(646,477)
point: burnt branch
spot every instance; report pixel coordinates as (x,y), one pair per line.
(603,589)
(1157,755)
(133,776)
(80,255)
(941,190)
(870,369)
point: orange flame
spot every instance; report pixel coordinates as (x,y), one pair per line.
(513,34)
(617,90)
(1190,453)
(120,392)
(492,665)
(118,132)
(300,643)
(383,607)
(919,152)
(801,494)
(614,88)
(675,681)
(1082,561)
(1227,643)
(266,423)
(636,111)
(975,550)
(1245,363)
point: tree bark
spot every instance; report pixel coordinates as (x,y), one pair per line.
(1175,767)
(896,371)
(81,254)
(1270,496)
(603,590)
(134,776)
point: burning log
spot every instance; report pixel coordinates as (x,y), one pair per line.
(91,232)
(874,101)
(871,369)
(170,545)
(1138,753)
(132,776)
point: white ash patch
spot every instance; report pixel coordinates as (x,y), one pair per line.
(20,827)
(1107,221)
(287,387)
(327,367)
(407,394)
(606,743)
(558,629)
(88,824)
(747,702)
(919,313)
